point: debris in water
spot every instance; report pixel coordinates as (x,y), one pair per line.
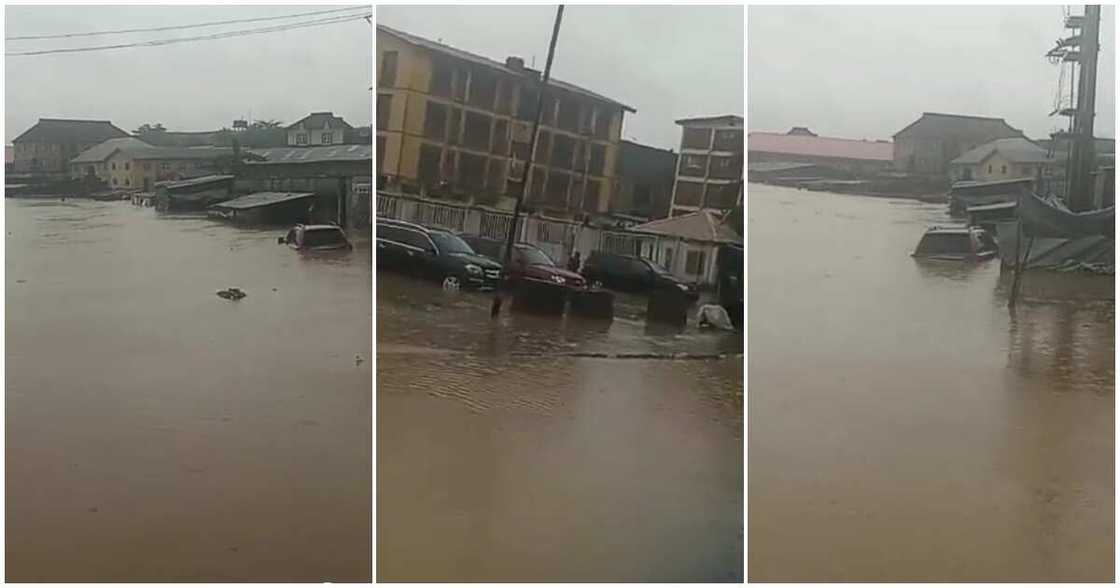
(232,294)
(358,360)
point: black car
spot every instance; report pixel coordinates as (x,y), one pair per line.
(630,273)
(434,254)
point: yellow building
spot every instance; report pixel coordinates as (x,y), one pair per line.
(453,124)
(1003,159)
(131,164)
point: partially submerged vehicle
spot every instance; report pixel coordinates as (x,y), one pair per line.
(527,262)
(957,244)
(316,238)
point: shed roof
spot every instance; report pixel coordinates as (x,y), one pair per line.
(64,130)
(938,123)
(485,61)
(201,180)
(275,155)
(1015,150)
(134,148)
(702,225)
(732,120)
(320,120)
(258,199)
(816,146)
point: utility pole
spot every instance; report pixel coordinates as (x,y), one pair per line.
(496,306)
(1082,149)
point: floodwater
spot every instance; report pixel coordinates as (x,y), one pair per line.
(156,432)
(505,455)
(903,424)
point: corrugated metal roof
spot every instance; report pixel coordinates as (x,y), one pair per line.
(320,120)
(938,123)
(195,181)
(62,130)
(820,146)
(276,155)
(134,148)
(702,225)
(258,199)
(1015,150)
(480,60)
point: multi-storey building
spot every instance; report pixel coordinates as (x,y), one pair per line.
(49,145)
(454,124)
(710,166)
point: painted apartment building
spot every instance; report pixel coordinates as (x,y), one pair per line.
(49,145)
(317,129)
(452,124)
(710,167)
(128,163)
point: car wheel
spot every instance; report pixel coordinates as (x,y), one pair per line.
(452,283)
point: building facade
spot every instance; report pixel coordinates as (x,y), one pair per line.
(927,145)
(317,129)
(49,145)
(128,163)
(799,145)
(710,168)
(1003,159)
(645,181)
(451,124)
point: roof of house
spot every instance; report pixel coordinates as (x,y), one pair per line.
(817,146)
(702,225)
(201,180)
(320,120)
(101,151)
(480,60)
(133,148)
(63,130)
(1015,150)
(941,123)
(318,154)
(257,199)
(733,120)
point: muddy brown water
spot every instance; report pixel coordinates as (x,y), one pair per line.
(156,432)
(903,425)
(501,457)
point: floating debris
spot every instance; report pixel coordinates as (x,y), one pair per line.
(232,294)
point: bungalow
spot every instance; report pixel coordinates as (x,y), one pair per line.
(687,245)
(1003,159)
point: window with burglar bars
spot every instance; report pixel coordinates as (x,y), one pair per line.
(620,244)
(548,232)
(495,226)
(436,215)
(387,207)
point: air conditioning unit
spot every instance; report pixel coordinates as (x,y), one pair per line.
(516,170)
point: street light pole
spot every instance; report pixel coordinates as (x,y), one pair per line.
(496,306)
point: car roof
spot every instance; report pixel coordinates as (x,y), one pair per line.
(321,227)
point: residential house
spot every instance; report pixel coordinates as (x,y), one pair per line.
(1003,159)
(645,181)
(858,158)
(687,244)
(451,124)
(317,129)
(49,145)
(927,145)
(127,163)
(710,167)
(339,176)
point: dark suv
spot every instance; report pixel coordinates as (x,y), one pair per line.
(434,254)
(528,262)
(630,273)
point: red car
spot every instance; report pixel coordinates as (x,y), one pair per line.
(528,262)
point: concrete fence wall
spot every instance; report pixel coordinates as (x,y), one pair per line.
(558,238)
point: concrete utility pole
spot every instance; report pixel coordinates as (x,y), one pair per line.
(1083,152)
(496,307)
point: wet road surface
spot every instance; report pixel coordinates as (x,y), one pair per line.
(500,457)
(903,425)
(156,432)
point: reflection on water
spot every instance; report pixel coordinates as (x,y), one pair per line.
(937,436)
(501,459)
(156,432)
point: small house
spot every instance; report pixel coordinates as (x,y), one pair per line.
(318,128)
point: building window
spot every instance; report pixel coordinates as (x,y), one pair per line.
(472,170)
(694,138)
(602,123)
(728,140)
(301,138)
(126,166)
(989,168)
(563,150)
(591,196)
(435,122)
(725,167)
(113,165)
(694,263)
(384,104)
(500,144)
(496,180)
(165,166)
(694,165)
(1003,169)
(127,182)
(455,126)
(380,155)
(721,196)
(557,193)
(441,78)
(484,87)
(429,166)
(476,131)
(689,193)
(527,104)
(598,159)
(326,138)
(114,181)
(568,116)
(388,73)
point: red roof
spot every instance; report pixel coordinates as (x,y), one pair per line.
(820,146)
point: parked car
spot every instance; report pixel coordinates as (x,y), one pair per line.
(957,244)
(316,238)
(433,254)
(630,273)
(527,262)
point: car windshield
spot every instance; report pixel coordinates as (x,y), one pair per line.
(323,237)
(534,256)
(448,243)
(657,268)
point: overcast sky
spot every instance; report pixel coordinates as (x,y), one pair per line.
(196,86)
(866,72)
(668,62)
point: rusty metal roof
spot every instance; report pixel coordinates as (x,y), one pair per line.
(258,199)
(326,153)
(815,146)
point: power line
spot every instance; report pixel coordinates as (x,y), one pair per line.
(177,27)
(227,34)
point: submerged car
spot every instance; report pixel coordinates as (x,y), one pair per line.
(434,254)
(957,244)
(631,273)
(316,238)
(528,262)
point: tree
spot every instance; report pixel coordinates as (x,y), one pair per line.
(266,124)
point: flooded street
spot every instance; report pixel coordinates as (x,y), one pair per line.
(505,455)
(903,425)
(156,432)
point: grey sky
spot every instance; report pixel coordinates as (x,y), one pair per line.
(196,86)
(668,62)
(866,72)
